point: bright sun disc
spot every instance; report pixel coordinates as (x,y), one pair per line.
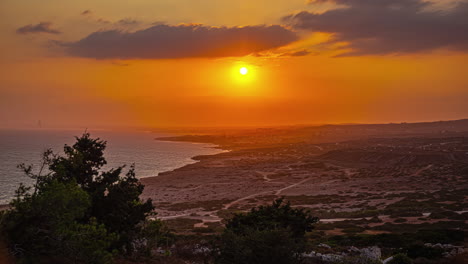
(243,71)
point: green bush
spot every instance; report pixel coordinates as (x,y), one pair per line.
(400,259)
(448,215)
(358,260)
(395,240)
(51,224)
(354,230)
(76,213)
(272,234)
(153,234)
(421,251)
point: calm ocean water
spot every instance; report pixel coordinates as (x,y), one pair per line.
(150,156)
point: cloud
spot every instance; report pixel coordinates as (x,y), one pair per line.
(299,53)
(125,22)
(118,63)
(128,22)
(389,26)
(181,41)
(42,27)
(285,53)
(103,21)
(86,12)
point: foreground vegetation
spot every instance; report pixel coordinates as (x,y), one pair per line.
(76,212)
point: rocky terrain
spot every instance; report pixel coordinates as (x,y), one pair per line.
(368,184)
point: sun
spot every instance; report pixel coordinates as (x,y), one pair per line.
(244,77)
(243,70)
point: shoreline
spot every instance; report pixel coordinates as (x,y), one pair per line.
(330,173)
(196,158)
(327,174)
(188,160)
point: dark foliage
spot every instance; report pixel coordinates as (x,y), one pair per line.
(421,251)
(268,234)
(404,240)
(400,259)
(76,213)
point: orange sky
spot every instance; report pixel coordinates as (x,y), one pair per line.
(47,74)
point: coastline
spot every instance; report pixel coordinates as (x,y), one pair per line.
(166,157)
(196,159)
(329,175)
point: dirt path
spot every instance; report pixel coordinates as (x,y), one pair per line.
(421,170)
(227,206)
(265,176)
(277,192)
(318,147)
(290,186)
(173,216)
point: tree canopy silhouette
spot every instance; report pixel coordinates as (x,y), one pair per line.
(76,211)
(272,234)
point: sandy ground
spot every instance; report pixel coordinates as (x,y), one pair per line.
(242,179)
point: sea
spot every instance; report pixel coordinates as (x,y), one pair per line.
(149,155)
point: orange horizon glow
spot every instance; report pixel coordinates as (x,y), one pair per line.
(263,80)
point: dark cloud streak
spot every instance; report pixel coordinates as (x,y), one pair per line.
(382,27)
(182,41)
(128,22)
(42,27)
(87,12)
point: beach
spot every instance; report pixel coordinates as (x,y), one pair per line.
(123,148)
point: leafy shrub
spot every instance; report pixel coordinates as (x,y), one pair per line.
(400,259)
(358,260)
(448,215)
(421,251)
(76,213)
(353,230)
(50,223)
(268,234)
(445,236)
